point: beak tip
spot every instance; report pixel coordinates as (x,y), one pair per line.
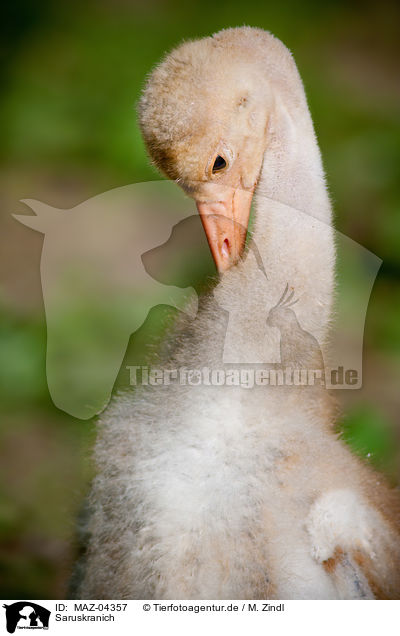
(225,223)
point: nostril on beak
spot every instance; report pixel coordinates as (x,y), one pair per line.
(225,249)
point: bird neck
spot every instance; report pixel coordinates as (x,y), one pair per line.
(292,171)
(293,236)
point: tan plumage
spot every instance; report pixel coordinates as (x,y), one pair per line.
(225,492)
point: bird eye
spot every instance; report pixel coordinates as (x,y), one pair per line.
(219,164)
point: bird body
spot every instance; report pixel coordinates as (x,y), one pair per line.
(225,491)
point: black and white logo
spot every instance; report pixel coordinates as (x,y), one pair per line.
(26,615)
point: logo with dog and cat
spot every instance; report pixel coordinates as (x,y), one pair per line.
(26,615)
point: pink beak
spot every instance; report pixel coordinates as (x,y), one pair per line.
(225,223)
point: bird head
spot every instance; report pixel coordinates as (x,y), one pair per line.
(204,117)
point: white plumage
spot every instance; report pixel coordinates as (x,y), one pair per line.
(227,492)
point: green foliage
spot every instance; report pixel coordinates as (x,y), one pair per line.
(22,363)
(372,437)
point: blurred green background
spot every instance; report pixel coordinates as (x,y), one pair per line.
(70,75)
